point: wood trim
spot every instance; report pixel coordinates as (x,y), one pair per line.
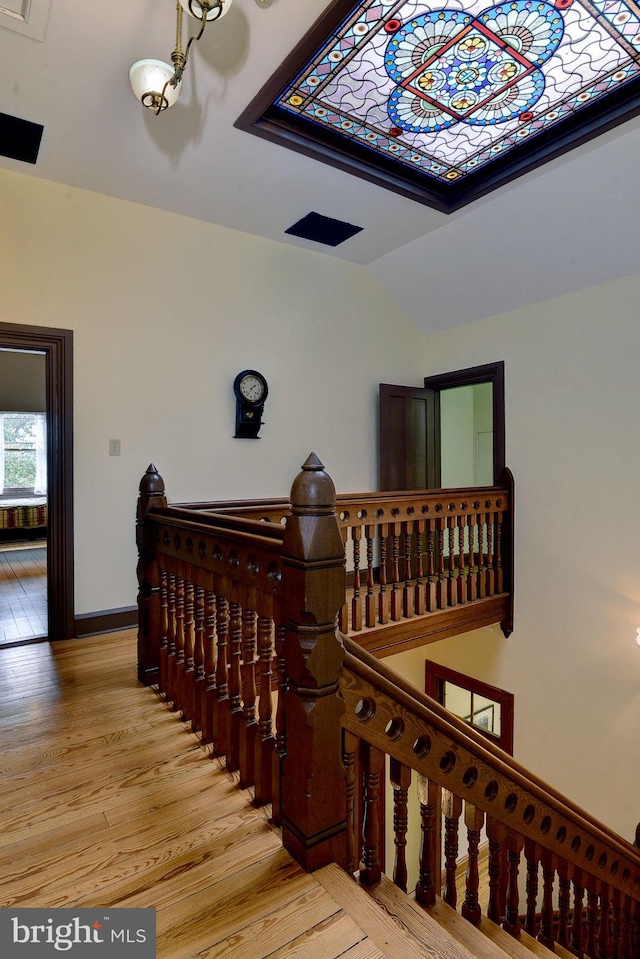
(488,373)
(105,621)
(57,345)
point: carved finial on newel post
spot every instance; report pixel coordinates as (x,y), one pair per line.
(313,589)
(151,495)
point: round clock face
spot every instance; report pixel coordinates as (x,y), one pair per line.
(251,388)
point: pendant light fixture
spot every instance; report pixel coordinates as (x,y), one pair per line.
(156,83)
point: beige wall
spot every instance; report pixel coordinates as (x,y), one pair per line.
(165,311)
(571,369)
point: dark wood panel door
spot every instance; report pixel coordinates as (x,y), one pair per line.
(409,438)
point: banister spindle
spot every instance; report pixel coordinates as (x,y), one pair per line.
(248,725)
(354,832)
(481,577)
(429,797)
(451,810)
(496,833)
(576,938)
(171,637)
(164,630)
(461,578)
(210,661)
(178,659)
(452,572)
(233,708)
(197,721)
(545,934)
(400,780)
(564,903)
(472,577)
(356,601)
(592,919)
(511,922)
(265,741)
(491,575)
(532,855)
(442,576)
(188,676)
(420,592)
(370,601)
(474,820)
(222,683)
(604,933)
(396,604)
(383,596)
(432,598)
(372,768)
(616,925)
(407,592)
(279,750)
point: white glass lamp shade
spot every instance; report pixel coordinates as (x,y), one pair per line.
(194,9)
(148,79)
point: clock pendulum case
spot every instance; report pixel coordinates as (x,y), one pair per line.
(250,388)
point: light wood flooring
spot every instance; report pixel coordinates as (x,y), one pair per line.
(23,592)
(107,800)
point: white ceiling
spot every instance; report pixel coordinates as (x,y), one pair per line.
(572,223)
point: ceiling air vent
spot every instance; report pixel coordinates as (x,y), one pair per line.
(323,229)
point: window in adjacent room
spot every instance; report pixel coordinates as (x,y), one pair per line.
(23,454)
(488,709)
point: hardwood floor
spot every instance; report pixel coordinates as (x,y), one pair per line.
(23,592)
(108,800)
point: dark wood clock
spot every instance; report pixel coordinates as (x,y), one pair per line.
(250,388)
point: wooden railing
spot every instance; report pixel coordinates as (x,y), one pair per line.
(223,597)
(422,565)
(582,880)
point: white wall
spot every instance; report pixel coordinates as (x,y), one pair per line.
(572,409)
(165,311)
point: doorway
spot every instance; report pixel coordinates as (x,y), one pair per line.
(448,433)
(56,348)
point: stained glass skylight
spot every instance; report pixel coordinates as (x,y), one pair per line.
(444,101)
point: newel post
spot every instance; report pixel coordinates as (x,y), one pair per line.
(313,791)
(151,494)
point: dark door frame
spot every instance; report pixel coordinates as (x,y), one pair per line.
(57,345)
(489,373)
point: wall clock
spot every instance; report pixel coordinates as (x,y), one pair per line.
(250,388)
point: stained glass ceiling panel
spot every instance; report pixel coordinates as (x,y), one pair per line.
(445,101)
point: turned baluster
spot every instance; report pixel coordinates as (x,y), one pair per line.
(564,903)
(472,573)
(187,688)
(396,594)
(401,780)
(372,768)
(545,933)
(592,919)
(532,855)
(248,726)
(626,943)
(383,596)
(280,746)
(461,578)
(617,931)
(171,637)
(343,614)
(482,569)
(210,662)
(452,572)
(233,706)
(442,578)
(474,820)
(491,573)
(178,659)
(265,740)
(429,797)
(407,593)
(356,602)
(511,922)
(603,945)
(222,685)
(498,554)
(349,750)
(635,930)
(198,661)
(164,630)
(496,833)
(370,601)
(432,597)
(451,810)
(420,592)
(576,938)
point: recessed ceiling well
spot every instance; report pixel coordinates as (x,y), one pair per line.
(444,101)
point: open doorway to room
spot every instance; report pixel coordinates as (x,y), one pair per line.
(37,482)
(23,496)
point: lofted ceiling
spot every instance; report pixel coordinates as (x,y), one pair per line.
(569,224)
